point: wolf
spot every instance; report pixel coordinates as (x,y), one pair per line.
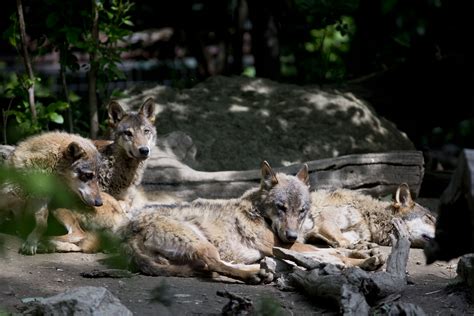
(124,158)
(123,163)
(344,218)
(74,160)
(227,237)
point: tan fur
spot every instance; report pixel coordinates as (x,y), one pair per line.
(86,226)
(344,217)
(72,158)
(123,164)
(225,236)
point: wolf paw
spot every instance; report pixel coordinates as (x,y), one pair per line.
(29,247)
(262,276)
(363,245)
(373,263)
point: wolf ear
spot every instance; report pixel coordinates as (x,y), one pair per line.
(75,151)
(269,178)
(148,109)
(116,112)
(403,195)
(303,174)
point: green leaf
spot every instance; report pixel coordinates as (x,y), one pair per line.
(52,20)
(56,118)
(128,22)
(57,106)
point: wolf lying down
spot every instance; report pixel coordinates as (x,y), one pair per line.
(345,218)
(229,237)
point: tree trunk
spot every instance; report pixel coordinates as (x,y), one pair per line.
(27,61)
(92,75)
(62,73)
(265,39)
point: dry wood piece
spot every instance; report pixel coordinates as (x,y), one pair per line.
(353,290)
(238,305)
(377,174)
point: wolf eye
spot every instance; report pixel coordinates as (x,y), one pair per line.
(146,131)
(281,207)
(86,176)
(128,133)
(302,210)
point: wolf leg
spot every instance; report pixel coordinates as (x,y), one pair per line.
(183,243)
(40,210)
(327,232)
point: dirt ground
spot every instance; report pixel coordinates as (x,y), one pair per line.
(23,278)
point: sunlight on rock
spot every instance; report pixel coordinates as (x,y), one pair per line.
(287,163)
(264,112)
(178,108)
(257,86)
(238,108)
(283,124)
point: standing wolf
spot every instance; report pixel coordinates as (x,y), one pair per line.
(72,158)
(343,218)
(226,236)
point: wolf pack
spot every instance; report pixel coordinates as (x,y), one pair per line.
(204,237)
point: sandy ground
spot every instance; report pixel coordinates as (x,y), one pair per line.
(42,275)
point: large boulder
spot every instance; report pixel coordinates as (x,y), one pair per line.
(236,122)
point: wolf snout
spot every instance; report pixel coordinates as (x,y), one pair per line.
(144,151)
(291,235)
(98,202)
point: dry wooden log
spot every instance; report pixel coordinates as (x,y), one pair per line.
(377,174)
(345,287)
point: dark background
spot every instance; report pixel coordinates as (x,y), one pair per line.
(412,60)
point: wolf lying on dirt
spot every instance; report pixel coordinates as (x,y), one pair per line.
(72,158)
(134,136)
(228,236)
(86,226)
(343,218)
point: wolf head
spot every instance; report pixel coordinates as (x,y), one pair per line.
(134,132)
(80,169)
(285,201)
(419,221)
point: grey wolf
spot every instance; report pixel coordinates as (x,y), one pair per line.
(343,218)
(133,137)
(74,160)
(227,237)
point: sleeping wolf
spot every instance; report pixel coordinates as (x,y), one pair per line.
(343,218)
(72,158)
(228,236)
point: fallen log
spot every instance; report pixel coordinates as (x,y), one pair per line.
(354,290)
(376,174)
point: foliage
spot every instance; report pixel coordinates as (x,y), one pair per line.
(66,29)
(47,115)
(268,306)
